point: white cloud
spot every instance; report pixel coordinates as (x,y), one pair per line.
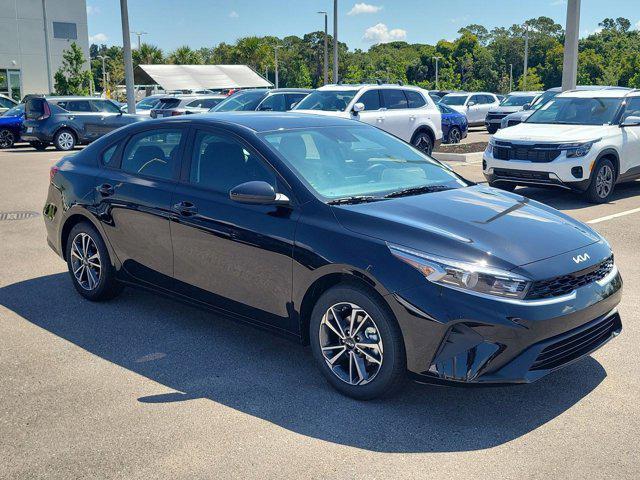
(233,14)
(91,10)
(638,25)
(380,33)
(359,8)
(98,38)
(558,3)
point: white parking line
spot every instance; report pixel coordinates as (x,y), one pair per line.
(615,215)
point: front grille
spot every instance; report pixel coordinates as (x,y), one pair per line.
(531,153)
(576,343)
(524,175)
(496,116)
(511,123)
(565,284)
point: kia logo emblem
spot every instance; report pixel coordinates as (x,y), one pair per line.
(581,258)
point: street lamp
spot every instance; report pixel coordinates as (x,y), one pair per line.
(104,74)
(436,59)
(275,52)
(511,77)
(326,48)
(526,56)
(139,34)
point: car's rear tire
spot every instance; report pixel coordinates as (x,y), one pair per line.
(40,146)
(491,129)
(64,140)
(506,186)
(454,135)
(89,264)
(423,142)
(603,182)
(7,138)
(338,343)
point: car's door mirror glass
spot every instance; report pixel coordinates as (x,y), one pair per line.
(631,121)
(471,103)
(257,192)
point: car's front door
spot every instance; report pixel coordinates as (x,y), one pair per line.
(133,200)
(111,117)
(475,109)
(235,256)
(630,161)
(373,113)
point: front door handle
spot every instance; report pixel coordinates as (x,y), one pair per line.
(105,189)
(380,119)
(186,209)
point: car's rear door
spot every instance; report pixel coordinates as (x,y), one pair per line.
(630,160)
(81,117)
(133,198)
(235,256)
(397,119)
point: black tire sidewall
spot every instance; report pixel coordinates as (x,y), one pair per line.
(57,136)
(591,192)
(455,129)
(492,130)
(12,136)
(393,369)
(507,187)
(428,138)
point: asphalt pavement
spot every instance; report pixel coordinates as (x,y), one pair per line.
(143,387)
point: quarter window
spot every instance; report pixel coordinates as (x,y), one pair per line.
(152,153)
(371,100)
(107,156)
(394,99)
(415,99)
(273,103)
(220,164)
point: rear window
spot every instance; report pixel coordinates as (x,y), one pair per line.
(205,103)
(454,99)
(167,103)
(35,108)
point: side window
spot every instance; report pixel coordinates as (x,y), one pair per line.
(632,109)
(6,103)
(107,155)
(220,163)
(76,105)
(205,103)
(476,98)
(489,99)
(415,99)
(104,106)
(394,99)
(371,100)
(273,103)
(293,98)
(152,153)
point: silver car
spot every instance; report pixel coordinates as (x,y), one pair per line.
(185,104)
(514,102)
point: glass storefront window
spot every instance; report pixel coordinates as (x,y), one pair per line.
(10,84)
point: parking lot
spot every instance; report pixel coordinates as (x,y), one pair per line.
(145,387)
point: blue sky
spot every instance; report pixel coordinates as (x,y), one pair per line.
(197,23)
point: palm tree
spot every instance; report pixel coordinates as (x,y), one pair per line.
(185,56)
(147,55)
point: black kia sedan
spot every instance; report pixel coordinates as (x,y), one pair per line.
(341,236)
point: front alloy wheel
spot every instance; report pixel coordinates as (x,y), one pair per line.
(64,140)
(85,261)
(454,135)
(423,142)
(602,183)
(6,138)
(351,343)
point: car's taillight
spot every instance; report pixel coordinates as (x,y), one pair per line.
(46,112)
(176,112)
(52,173)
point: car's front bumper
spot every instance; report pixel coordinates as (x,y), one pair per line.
(473,340)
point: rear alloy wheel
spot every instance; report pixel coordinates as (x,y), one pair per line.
(89,264)
(6,138)
(422,141)
(603,181)
(64,140)
(454,135)
(357,344)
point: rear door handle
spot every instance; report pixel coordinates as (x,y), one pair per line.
(105,190)
(186,209)
(412,118)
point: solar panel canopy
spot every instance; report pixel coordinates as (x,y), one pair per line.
(184,77)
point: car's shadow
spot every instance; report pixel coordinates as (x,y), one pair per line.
(200,355)
(565,200)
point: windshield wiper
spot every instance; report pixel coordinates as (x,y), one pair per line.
(354,199)
(418,190)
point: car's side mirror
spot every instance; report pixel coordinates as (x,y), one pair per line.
(358,107)
(471,104)
(526,106)
(257,193)
(631,121)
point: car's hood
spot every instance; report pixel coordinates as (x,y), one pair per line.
(459,108)
(323,112)
(505,109)
(520,115)
(473,224)
(12,120)
(542,132)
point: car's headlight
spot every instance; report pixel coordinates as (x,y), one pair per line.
(472,277)
(575,150)
(489,149)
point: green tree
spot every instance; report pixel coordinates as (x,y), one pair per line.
(147,55)
(185,56)
(72,78)
(534,82)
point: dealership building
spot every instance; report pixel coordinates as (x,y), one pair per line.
(33,36)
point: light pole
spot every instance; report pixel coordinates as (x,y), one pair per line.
(570,61)
(104,74)
(326,48)
(128,61)
(139,34)
(511,77)
(335,41)
(275,52)
(436,59)
(526,56)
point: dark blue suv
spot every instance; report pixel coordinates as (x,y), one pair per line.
(69,121)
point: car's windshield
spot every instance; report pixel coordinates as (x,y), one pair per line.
(147,103)
(241,101)
(358,161)
(453,99)
(327,100)
(15,111)
(542,99)
(517,100)
(577,111)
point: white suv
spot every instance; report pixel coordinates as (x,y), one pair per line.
(406,112)
(475,105)
(585,141)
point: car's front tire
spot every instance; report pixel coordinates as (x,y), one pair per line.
(40,146)
(454,135)
(423,142)
(89,264)
(7,138)
(603,181)
(357,343)
(64,140)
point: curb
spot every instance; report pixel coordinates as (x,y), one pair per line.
(473,157)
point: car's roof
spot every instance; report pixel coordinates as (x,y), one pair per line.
(352,86)
(590,87)
(598,93)
(465,94)
(64,98)
(528,93)
(262,121)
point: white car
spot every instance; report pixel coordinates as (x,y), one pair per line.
(475,105)
(407,112)
(6,103)
(582,140)
(514,102)
(184,105)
